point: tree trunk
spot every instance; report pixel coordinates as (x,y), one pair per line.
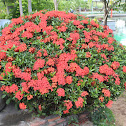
(105,12)
(20,7)
(105,20)
(29,6)
(55,4)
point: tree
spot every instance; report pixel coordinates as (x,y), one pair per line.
(20,6)
(56,3)
(108,5)
(29,6)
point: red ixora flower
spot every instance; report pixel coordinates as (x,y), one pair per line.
(79,103)
(68,104)
(84,93)
(40,107)
(68,79)
(88,54)
(29,97)
(50,62)
(22,106)
(109,104)
(18,95)
(22,47)
(106,92)
(8,67)
(60,92)
(2,87)
(13,88)
(39,64)
(32,50)
(76,22)
(115,65)
(65,111)
(125,85)
(98,76)
(101,98)
(124,69)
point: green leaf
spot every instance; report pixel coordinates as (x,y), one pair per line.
(3,96)
(8,101)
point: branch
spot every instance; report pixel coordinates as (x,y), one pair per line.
(111,6)
(107,3)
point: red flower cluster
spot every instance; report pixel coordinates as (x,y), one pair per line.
(22,106)
(110,40)
(39,64)
(19,95)
(79,103)
(115,65)
(62,27)
(125,85)
(124,69)
(88,54)
(8,67)
(29,97)
(94,24)
(13,88)
(98,76)
(106,70)
(74,37)
(60,92)
(40,107)
(104,56)
(68,104)
(68,79)
(101,98)
(41,85)
(84,93)
(79,71)
(109,104)
(22,47)
(106,92)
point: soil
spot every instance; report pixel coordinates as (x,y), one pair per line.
(119,110)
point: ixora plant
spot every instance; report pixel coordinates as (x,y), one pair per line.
(60,63)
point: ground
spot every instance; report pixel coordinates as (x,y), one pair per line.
(119,110)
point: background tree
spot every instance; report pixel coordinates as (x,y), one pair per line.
(66,5)
(14,12)
(2,10)
(20,6)
(55,4)
(61,5)
(108,5)
(29,6)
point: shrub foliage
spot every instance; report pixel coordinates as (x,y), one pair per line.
(60,63)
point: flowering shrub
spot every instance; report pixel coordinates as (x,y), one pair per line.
(60,63)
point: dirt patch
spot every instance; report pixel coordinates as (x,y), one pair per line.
(15,119)
(119,110)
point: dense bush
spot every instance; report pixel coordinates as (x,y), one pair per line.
(58,63)
(103,117)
